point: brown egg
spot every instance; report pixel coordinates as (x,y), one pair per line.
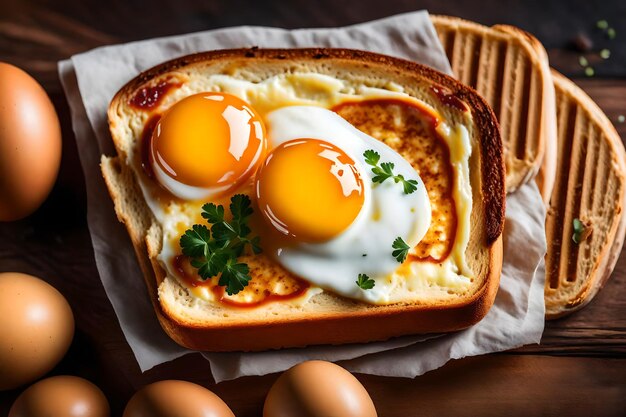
(37,328)
(30,144)
(61,396)
(318,389)
(176,399)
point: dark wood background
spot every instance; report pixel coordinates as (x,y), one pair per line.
(579,368)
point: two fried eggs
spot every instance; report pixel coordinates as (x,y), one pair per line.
(317,209)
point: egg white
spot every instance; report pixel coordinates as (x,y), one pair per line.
(365,247)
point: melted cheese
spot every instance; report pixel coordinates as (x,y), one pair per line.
(411,281)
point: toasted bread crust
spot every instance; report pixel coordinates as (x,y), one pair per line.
(370,322)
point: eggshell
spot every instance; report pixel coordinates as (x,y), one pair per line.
(318,389)
(61,396)
(30,144)
(173,398)
(37,327)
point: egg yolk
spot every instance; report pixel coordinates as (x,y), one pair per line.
(209,140)
(309,189)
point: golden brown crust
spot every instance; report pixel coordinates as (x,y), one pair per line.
(371,322)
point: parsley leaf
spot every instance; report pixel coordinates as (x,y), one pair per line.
(384,171)
(235,276)
(223,232)
(581,231)
(371,157)
(409,185)
(213,213)
(211,265)
(195,241)
(240,206)
(215,251)
(401,249)
(365,282)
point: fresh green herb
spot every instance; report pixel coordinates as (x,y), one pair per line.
(235,276)
(605,54)
(583,61)
(365,283)
(371,157)
(580,231)
(215,251)
(621,118)
(384,171)
(602,24)
(401,249)
(610,32)
(589,72)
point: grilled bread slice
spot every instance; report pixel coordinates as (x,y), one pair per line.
(509,68)
(590,186)
(326,317)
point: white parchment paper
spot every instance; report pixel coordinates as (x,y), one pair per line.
(91,79)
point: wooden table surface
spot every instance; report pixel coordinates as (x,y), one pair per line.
(578,369)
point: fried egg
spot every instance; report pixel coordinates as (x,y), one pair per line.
(206,144)
(316,189)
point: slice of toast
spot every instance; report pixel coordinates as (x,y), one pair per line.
(590,186)
(509,68)
(325,318)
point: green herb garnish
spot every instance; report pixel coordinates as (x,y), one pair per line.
(605,54)
(215,251)
(401,249)
(384,171)
(621,118)
(580,231)
(604,26)
(583,61)
(610,32)
(365,283)
(589,72)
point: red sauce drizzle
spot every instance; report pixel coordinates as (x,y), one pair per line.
(268,296)
(448,98)
(149,97)
(220,292)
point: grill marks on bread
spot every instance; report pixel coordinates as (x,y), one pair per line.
(509,68)
(590,186)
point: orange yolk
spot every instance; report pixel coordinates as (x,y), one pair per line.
(309,189)
(209,140)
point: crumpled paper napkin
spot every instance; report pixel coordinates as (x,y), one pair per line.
(92,78)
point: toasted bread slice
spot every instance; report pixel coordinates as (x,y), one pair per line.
(324,318)
(590,186)
(509,68)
